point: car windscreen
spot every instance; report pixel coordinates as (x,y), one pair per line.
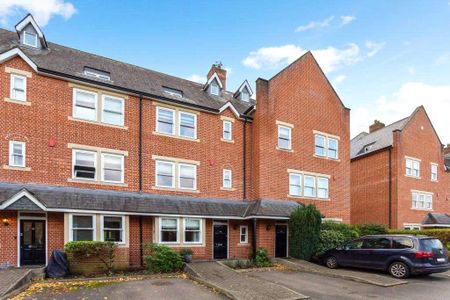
(429,245)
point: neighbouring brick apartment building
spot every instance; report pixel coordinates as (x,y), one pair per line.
(400,175)
(96,149)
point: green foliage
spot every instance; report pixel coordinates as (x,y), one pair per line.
(441,234)
(370,229)
(347,231)
(162,259)
(329,239)
(262,259)
(103,251)
(239,264)
(304,228)
(186,251)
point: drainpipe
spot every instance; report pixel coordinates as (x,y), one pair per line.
(140,144)
(244,157)
(390,187)
(254,239)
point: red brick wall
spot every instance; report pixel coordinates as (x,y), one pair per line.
(55,234)
(135,238)
(300,95)
(8,237)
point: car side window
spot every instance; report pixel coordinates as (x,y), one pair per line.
(377,243)
(356,244)
(402,243)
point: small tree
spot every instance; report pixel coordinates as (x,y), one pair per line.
(304,228)
(103,251)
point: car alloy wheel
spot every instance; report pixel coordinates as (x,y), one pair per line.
(331,262)
(399,270)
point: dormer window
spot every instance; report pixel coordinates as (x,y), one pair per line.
(214,88)
(245,96)
(30,39)
(91,72)
(244,92)
(172,92)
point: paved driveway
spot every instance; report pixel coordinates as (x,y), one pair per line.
(321,287)
(142,289)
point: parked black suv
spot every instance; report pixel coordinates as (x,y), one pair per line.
(400,255)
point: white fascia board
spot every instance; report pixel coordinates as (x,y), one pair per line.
(22,193)
(230,106)
(210,79)
(29,19)
(245,84)
(17,52)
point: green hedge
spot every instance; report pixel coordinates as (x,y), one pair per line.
(162,259)
(329,239)
(442,234)
(103,251)
(304,230)
(348,231)
(370,229)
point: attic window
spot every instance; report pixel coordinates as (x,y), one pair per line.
(30,39)
(367,148)
(173,92)
(245,96)
(214,88)
(103,75)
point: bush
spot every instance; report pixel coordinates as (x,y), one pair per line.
(162,259)
(304,228)
(262,259)
(329,239)
(348,231)
(369,229)
(103,251)
(186,251)
(441,234)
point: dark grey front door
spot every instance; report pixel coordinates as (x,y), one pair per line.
(32,242)
(280,240)
(220,241)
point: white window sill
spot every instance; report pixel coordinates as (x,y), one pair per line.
(175,136)
(284,150)
(16,168)
(436,181)
(327,158)
(227,141)
(174,189)
(21,102)
(422,209)
(97,123)
(413,177)
(96,182)
(309,198)
(227,189)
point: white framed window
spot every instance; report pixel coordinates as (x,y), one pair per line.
(113,110)
(18,87)
(309,189)
(168,230)
(214,88)
(245,96)
(165,120)
(112,168)
(227,180)
(192,231)
(30,39)
(322,187)
(227,130)
(84,164)
(84,105)
(243,234)
(187,176)
(187,126)
(412,167)
(412,226)
(295,184)
(113,229)
(434,172)
(284,137)
(17,154)
(422,200)
(82,228)
(165,174)
(326,146)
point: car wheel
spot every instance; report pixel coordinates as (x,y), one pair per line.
(399,270)
(331,262)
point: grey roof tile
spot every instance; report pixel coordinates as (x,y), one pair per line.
(436,219)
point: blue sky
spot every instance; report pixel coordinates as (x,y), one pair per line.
(383,57)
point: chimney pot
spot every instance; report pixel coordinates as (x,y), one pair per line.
(376,126)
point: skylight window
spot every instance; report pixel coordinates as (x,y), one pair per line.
(367,148)
(172,92)
(103,75)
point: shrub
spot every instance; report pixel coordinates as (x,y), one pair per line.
(369,229)
(441,234)
(186,251)
(162,259)
(348,231)
(304,228)
(329,239)
(103,251)
(262,259)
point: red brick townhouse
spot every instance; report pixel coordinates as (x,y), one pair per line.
(96,149)
(398,175)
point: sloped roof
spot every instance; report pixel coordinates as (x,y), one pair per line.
(436,219)
(56,198)
(378,139)
(447,161)
(69,62)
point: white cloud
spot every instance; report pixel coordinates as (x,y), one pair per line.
(402,103)
(347,19)
(315,24)
(196,78)
(42,10)
(330,58)
(443,59)
(339,79)
(373,47)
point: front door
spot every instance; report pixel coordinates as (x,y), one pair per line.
(281,240)
(32,242)
(220,241)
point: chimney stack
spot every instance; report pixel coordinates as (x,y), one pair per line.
(222,73)
(375,126)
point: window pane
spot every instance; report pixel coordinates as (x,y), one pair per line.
(214,87)
(332,148)
(192,224)
(284,137)
(84,165)
(165,121)
(164,172)
(187,125)
(113,111)
(320,145)
(30,39)
(169,229)
(294,184)
(168,224)
(309,189)
(112,222)
(192,236)
(227,130)
(322,187)
(187,176)
(112,235)
(85,104)
(82,222)
(168,236)
(112,168)
(18,88)
(83,235)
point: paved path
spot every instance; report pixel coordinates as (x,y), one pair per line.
(238,285)
(161,289)
(360,276)
(9,278)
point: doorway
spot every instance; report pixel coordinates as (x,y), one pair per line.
(220,240)
(32,242)
(281,232)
